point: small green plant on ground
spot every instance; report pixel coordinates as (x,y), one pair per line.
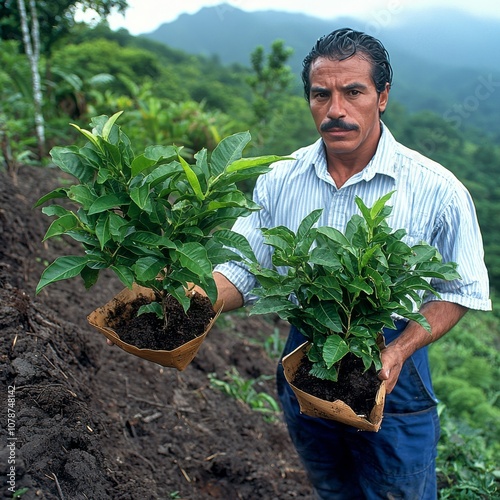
(273,344)
(20,492)
(346,287)
(467,469)
(245,390)
(152,218)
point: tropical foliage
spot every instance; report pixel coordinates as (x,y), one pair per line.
(346,287)
(151,217)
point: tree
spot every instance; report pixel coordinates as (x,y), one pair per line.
(31,40)
(271,78)
(46,21)
(55,18)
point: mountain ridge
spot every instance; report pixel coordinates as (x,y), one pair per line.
(441,58)
(446,36)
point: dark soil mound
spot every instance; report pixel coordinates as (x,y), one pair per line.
(93,422)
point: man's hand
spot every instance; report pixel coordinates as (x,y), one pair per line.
(392,364)
(442,317)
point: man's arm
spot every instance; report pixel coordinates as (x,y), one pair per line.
(227,292)
(441,315)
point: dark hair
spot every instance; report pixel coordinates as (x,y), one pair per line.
(344,43)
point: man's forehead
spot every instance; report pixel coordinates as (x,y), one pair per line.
(355,68)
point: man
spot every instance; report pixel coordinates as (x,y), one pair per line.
(347,78)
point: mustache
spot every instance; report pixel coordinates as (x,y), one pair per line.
(339,124)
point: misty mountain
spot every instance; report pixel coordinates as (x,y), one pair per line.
(444,36)
(443,60)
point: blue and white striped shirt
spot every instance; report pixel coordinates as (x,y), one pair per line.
(429,202)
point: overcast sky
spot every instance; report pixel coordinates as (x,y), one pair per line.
(144,16)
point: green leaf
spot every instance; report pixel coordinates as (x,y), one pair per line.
(327,288)
(271,305)
(180,294)
(420,319)
(152,307)
(62,268)
(52,210)
(161,153)
(229,150)
(125,275)
(82,195)
(280,237)
(380,204)
(62,225)
(141,163)
(153,156)
(194,257)
(104,175)
(56,193)
(141,195)
(399,248)
(89,135)
(371,215)
(246,163)
(334,350)
(114,157)
(109,124)
(234,199)
(201,158)
(108,202)
(69,160)
(359,285)
(236,241)
(83,236)
(89,276)
(151,240)
(192,179)
(162,173)
(367,351)
(422,253)
(367,255)
(323,373)
(231,178)
(148,268)
(307,223)
(334,235)
(102,230)
(117,226)
(327,314)
(322,256)
(218,255)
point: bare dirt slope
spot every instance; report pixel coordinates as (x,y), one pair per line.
(92,422)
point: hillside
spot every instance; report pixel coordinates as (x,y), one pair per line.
(436,67)
(93,422)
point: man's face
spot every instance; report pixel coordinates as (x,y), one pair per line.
(345,105)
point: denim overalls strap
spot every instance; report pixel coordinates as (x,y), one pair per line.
(413,391)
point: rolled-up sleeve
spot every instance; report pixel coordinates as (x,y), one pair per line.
(459,240)
(250,227)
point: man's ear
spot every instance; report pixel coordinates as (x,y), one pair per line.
(383,98)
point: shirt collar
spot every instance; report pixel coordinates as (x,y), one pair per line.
(382,161)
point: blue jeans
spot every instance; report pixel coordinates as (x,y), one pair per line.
(397,462)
